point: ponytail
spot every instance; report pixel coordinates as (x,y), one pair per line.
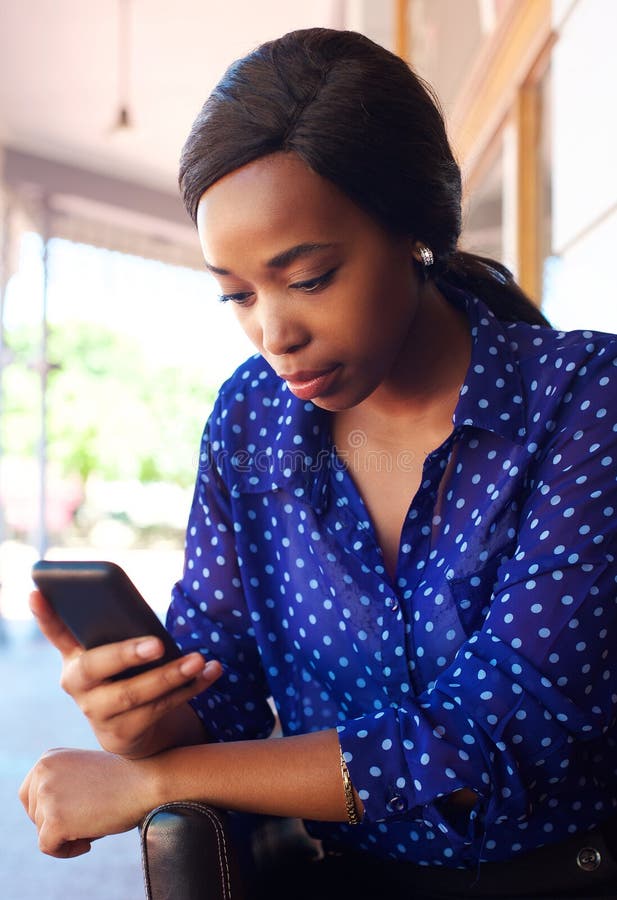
(494,284)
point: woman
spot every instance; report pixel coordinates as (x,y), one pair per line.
(402,528)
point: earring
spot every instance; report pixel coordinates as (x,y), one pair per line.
(427,256)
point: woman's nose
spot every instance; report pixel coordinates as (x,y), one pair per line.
(281,331)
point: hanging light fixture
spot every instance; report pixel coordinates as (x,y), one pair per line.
(124,119)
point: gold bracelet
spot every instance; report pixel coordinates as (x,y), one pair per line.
(350,803)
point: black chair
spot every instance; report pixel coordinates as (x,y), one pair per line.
(191,851)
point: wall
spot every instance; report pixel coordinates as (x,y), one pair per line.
(580,291)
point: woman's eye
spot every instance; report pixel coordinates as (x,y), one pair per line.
(312,285)
(240,298)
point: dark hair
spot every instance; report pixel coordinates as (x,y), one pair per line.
(358,116)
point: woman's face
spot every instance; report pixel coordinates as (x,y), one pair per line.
(325,294)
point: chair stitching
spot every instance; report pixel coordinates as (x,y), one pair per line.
(221,844)
(222,852)
(144,857)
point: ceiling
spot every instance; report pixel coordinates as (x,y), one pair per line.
(59,74)
(67,66)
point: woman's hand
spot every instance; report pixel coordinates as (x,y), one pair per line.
(136,716)
(76,796)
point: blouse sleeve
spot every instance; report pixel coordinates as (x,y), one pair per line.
(208,613)
(529,691)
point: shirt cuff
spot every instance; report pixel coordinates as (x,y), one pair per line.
(379,771)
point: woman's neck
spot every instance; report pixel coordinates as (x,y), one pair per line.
(423,388)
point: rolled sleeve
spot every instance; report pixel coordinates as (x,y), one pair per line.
(402,761)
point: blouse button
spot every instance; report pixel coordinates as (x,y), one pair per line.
(391,604)
(588,859)
(398,804)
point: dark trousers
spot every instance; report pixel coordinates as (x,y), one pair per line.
(582,867)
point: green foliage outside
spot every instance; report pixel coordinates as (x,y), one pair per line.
(111,410)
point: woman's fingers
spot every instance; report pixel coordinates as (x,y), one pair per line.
(95,667)
(124,712)
(69,849)
(52,842)
(85,670)
(124,720)
(55,810)
(52,625)
(25,796)
(76,796)
(149,694)
(155,702)
(158,690)
(92,667)
(163,688)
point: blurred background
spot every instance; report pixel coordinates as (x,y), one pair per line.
(112,343)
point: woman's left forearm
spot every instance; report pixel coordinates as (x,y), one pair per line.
(76,796)
(292,776)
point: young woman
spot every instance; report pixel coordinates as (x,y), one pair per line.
(403,525)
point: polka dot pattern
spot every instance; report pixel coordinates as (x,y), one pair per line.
(486,662)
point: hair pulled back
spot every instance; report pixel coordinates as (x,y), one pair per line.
(360,117)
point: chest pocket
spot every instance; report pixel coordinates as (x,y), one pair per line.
(472,593)
(490,545)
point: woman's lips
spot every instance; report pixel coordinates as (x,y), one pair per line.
(307,385)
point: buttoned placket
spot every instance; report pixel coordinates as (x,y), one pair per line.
(396,620)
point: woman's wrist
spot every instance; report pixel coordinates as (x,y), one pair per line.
(170,775)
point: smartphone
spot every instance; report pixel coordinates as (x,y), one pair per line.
(99,604)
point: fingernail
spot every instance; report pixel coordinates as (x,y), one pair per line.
(209,669)
(191,666)
(148,648)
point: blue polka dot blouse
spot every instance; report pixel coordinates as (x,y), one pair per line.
(487,662)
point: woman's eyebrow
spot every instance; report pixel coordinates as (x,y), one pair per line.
(215,269)
(286,257)
(282,259)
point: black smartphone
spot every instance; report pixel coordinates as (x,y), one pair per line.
(99,603)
